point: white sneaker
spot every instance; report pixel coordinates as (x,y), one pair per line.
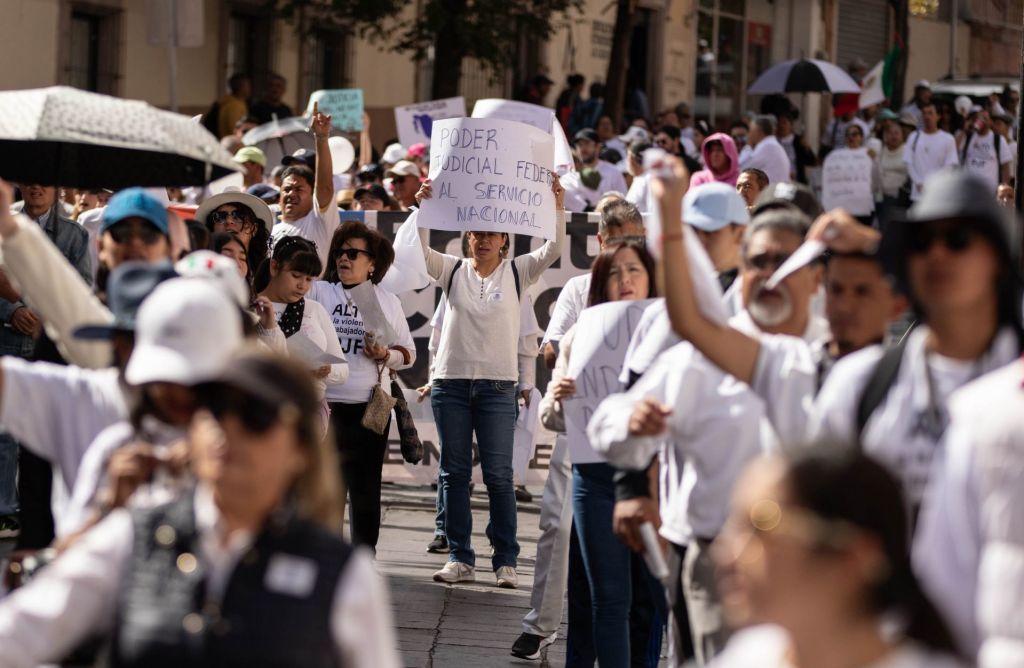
(455,571)
(507,578)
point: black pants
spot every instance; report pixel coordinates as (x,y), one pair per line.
(362,453)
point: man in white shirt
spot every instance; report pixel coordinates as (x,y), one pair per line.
(588,147)
(619,221)
(308,208)
(928,150)
(986,153)
(767,153)
(922,98)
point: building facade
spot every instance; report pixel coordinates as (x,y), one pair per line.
(703,52)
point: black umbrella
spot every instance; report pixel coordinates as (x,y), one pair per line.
(67,137)
(804,76)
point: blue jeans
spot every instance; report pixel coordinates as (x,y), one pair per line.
(606,561)
(488,408)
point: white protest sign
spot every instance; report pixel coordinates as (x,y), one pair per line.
(302,348)
(365,297)
(846,181)
(344,105)
(599,347)
(539,117)
(490,175)
(415,121)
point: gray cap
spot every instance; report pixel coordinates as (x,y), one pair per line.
(788,195)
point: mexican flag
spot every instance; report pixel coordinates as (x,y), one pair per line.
(877,84)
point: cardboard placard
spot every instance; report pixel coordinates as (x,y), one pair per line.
(415,121)
(490,175)
(344,105)
(846,181)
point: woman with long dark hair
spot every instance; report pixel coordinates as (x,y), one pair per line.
(621,272)
(814,560)
(359,255)
(246,215)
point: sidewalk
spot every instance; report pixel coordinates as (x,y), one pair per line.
(462,625)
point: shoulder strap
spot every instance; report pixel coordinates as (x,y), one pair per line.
(451,277)
(881,380)
(515,276)
(917,137)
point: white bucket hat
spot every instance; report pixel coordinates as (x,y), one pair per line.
(184,333)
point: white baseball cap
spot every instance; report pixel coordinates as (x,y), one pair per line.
(184,333)
(712,206)
(923,83)
(393,153)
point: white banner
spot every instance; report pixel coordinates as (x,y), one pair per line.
(846,181)
(414,121)
(345,106)
(539,117)
(598,351)
(490,175)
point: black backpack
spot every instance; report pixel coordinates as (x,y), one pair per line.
(881,380)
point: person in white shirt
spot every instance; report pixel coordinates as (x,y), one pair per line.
(622,272)
(620,221)
(474,384)
(928,150)
(360,256)
(922,98)
(767,153)
(971,537)
(308,208)
(258,572)
(637,195)
(285,279)
(985,153)
(953,255)
(588,147)
(813,565)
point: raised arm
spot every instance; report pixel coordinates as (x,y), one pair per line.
(324,187)
(729,349)
(439,265)
(365,144)
(532,265)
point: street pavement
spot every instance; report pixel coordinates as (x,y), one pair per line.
(452,626)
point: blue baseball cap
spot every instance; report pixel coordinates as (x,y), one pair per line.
(712,206)
(135,203)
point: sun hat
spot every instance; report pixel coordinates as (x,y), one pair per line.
(258,206)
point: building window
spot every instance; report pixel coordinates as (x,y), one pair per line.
(249,44)
(329,60)
(725,59)
(93,49)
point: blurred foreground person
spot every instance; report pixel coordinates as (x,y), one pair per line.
(814,554)
(246,570)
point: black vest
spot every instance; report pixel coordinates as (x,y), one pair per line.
(165,619)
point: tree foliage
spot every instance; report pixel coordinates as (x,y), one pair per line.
(486,30)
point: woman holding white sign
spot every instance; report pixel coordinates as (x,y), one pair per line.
(474,384)
(850,178)
(374,335)
(620,273)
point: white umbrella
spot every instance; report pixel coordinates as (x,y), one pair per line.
(279,138)
(68,137)
(804,76)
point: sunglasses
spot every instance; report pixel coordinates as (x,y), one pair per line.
(123,233)
(767,261)
(353,253)
(221,216)
(398,179)
(256,415)
(956,239)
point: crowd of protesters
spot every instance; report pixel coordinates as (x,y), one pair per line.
(815,466)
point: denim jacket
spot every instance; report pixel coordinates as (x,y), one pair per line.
(72,240)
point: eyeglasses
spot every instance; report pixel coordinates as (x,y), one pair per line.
(256,415)
(767,261)
(122,233)
(353,253)
(219,217)
(956,239)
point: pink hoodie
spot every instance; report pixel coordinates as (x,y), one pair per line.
(731,173)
